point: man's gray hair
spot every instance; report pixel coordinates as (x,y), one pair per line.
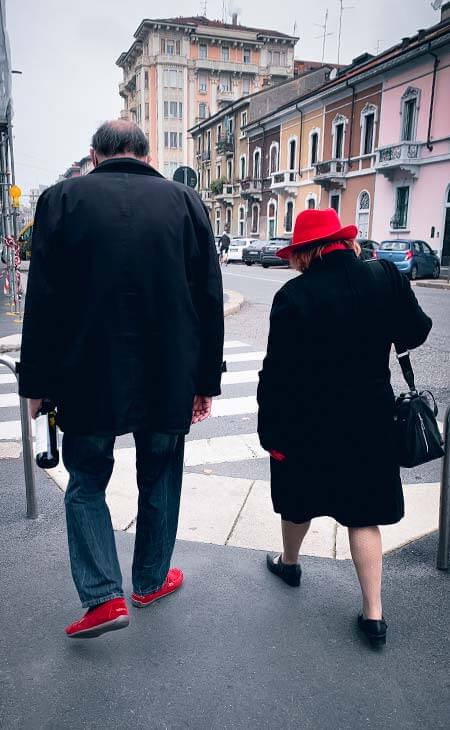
(120,137)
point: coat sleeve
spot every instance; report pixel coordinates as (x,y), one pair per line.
(37,375)
(207,296)
(412,325)
(276,376)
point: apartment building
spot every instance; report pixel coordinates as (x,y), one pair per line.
(179,71)
(230,169)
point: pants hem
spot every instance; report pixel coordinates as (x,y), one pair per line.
(104,599)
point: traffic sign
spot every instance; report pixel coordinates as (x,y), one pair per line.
(15,193)
(187,176)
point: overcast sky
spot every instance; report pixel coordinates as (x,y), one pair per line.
(66,50)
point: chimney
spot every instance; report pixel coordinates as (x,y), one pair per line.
(445,12)
(234,18)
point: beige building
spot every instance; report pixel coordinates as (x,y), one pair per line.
(179,71)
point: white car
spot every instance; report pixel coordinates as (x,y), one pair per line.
(237,247)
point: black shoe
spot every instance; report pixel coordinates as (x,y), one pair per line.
(291,574)
(374,631)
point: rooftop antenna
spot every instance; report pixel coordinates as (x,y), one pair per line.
(204,7)
(380,42)
(324,35)
(341,13)
(224,11)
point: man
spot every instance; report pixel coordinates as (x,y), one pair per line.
(224,246)
(123,330)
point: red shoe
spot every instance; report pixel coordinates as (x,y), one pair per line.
(173,581)
(109,616)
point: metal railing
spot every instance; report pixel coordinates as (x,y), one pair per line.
(27,444)
(443,555)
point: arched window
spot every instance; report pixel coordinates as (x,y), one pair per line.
(272,219)
(228,213)
(274,154)
(257,164)
(243,167)
(339,125)
(218,221)
(289,218)
(242,221)
(368,123)
(409,112)
(255,218)
(311,201)
(292,158)
(314,138)
(362,214)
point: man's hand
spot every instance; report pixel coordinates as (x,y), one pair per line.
(35,406)
(201,408)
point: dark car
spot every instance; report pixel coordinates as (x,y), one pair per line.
(411,257)
(252,254)
(368,249)
(269,252)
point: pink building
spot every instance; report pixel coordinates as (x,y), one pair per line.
(412,189)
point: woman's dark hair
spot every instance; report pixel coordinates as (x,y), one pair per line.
(120,137)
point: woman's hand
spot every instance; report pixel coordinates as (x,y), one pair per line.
(201,409)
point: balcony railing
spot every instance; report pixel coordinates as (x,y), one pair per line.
(285,180)
(405,156)
(225,144)
(251,187)
(331,173)
(229,66)
(204,156)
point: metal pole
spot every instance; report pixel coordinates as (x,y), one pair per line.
(444,512)
(27,446)
(13,172)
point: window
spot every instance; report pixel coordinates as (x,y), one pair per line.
(203,50)
(203,83)
(146,80)
(225,53)
(219,132)
(338,141)
(170,48)
(208,177)
(271,219)
(335,202)
(311,204)
(218,221)
(242,221)
(273,157)
(173,140)
(180,140)
(275,58)
(229,170)
(368,133)
(229,126)
(243,167)
(173,110)
(314,148)
(225,83)
(228,214)
(147,110)
(400,219)
(255,218)
(202,109)
(173,79)
(245,87)
(409,113)
(247,55)
(244,119)
(289,218)
(292,154)
(208,140)
(219,171)
(362,214)
(257,164)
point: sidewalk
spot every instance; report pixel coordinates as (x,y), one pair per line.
(234,649)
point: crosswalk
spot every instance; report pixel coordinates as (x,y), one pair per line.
(228,436)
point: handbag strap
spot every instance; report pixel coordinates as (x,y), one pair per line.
(402,355)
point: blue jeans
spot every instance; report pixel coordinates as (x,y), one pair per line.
(92,548)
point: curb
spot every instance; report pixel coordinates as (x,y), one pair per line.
(10,344)
(234,303)
(433,284)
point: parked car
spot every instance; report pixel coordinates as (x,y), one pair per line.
(252,253)
(368,249)
(411,257)
(269,253)
(237,247)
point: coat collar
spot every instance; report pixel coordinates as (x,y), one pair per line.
(126,164)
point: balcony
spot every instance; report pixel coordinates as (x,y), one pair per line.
(225,145)
(225,95)
(286,182)
(331,174)
(123,90)
(209,64)
(227,194)
(206,196)
(251,188)
(403,157)
(284,71)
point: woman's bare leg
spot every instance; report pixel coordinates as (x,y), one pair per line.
(293,536)
(366,550)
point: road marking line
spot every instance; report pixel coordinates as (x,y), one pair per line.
(240,376)
(10,431)
(4,379)
(230,344)
(234,406)
(245,356)
(9,400)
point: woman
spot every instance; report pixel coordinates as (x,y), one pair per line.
(325,400)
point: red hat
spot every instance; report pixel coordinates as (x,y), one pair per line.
(314,227)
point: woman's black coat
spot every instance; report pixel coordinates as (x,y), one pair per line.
(325,398)
(124,309)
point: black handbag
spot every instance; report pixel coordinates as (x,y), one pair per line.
(417,432)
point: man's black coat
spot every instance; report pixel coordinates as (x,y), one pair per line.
(124,309)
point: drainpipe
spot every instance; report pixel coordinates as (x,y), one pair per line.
(349,161)
(433,90)
(300,111)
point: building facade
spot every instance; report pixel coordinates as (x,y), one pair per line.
(180,71)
